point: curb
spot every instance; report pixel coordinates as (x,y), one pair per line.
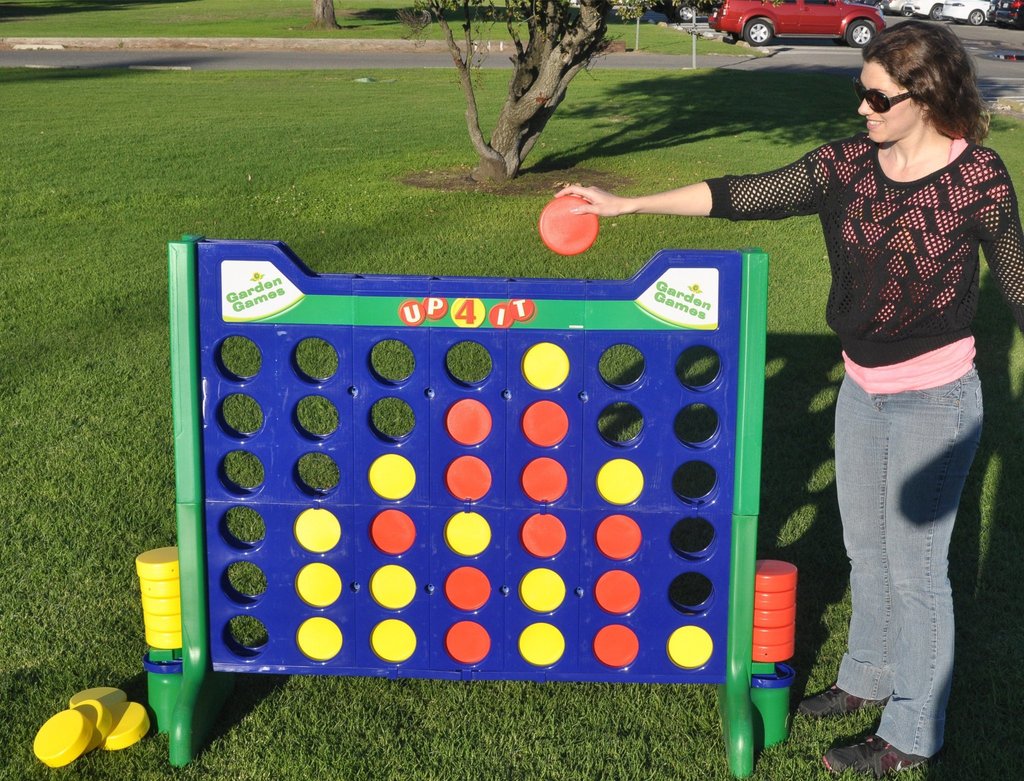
(228,44)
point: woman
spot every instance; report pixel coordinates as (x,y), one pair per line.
(904,208)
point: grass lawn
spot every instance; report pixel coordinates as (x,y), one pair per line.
(100,169)
(272,19)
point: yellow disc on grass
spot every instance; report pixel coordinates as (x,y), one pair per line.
(158,564)
(131,723)
(542,590)
(101,718)
(392,476)
(317,530)
(545,366)
(392,587)
(318,584)
(541,644)
(620,481)
(468,534)
(108,695)
(690,647)
(393,640)
(63,738)
(319,638)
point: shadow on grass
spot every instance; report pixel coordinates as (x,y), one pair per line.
(20,12)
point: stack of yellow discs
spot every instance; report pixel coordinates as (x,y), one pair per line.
(97,718)
(161,596)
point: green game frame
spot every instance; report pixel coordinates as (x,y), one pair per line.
(198,699)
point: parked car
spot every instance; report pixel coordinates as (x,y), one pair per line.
(973,12)
(1009,13)
(929,8)
(897,7)
(759,21)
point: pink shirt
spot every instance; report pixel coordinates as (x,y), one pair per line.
(930,370)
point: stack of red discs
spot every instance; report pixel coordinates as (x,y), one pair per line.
(774,611)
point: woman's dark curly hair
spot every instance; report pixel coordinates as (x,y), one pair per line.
(930,62)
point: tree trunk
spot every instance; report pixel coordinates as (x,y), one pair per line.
(562,41)
(323,15)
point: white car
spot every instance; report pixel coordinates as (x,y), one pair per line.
(971,11)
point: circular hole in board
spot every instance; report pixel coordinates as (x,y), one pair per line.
(246,580)
(241,471)
(315,359)
(240,415)
(620,423)
(696,424)
(691,538)
(316,416)
(317,473)
(239,358)
(246,635)
(392,361)
(690,593)
(243,527)
(694,481)
(392,418)
(468,362)
(698,367)
(621,365)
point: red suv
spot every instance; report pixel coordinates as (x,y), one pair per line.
(758,21)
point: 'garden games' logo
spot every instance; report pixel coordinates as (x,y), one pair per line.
(253,290)
(687,297)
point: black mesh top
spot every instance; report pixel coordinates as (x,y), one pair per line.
(903,255)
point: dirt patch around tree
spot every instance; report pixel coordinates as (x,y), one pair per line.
(530,182)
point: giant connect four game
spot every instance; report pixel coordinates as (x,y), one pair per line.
(466,477)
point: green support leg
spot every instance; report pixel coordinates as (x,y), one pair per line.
(202,692)
(734,695)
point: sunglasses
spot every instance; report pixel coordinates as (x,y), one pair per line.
(879,101)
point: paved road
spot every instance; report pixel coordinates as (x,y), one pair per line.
(1001,76)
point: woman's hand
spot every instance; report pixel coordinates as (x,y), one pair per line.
(598,201)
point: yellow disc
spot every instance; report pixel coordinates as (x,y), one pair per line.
(392,476)
(468,534)
(131,723)
(542,590)
(545,366)
(63,738)
(158,564)
(541,644)
(392,587)
(108,695)
(317,530)
(161,606)
(100,717)
(620,481)
(161,589)
(690,647)
(318,584)
(319,638)
(393,640)
(162,623)
(163,640)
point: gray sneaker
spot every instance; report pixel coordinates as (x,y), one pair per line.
(835,702)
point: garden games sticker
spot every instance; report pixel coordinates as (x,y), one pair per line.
(686,297)
(254,290)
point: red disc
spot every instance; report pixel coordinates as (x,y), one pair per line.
(468,478)
(393,532)
(618,537)
(771,575)
(616,591)
(468,422)
(544,480)
(774,653)
(564,232)
(779,635)
(774,618)
(545,423)
(467,588)
(467,642)
(774,600)
(542,535)
(616,645)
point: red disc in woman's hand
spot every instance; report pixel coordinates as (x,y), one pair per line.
(564,232)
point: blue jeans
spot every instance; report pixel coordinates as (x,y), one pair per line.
(901,463)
